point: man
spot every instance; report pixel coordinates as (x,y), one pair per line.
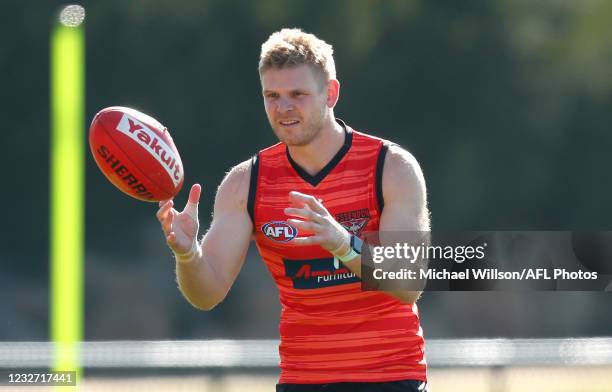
(305,201)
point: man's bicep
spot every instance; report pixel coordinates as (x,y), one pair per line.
(405,217)
(226,243)
(404,192)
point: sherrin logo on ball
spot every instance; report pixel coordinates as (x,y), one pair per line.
(136,153)
(279,231)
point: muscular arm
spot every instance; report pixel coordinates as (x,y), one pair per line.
(405,198)
(206,280)
(404,193)
(405,205)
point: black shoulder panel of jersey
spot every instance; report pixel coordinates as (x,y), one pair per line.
(380,165)
(253,187)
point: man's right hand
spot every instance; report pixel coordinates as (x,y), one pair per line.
(181,229)
(205,272)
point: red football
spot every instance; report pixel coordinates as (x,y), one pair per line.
(136,153)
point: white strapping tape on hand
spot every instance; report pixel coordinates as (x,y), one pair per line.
(343,238)
(190,255)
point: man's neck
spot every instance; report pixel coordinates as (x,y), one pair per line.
(315,155)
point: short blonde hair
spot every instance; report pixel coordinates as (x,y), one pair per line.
(293,47)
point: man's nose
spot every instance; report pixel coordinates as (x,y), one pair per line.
(285,105)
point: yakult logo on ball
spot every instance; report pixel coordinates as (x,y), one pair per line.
(279,231)
(147,138)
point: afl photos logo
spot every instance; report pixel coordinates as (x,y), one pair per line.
(279,231)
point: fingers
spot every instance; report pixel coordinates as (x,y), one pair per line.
(164,206)
(167,222)
(305,225)
(165,215)
(303,199)
(162,213)
(314,218)
(171,240)
(305,213)
(191,208)
(304,241)
(194,194)
(162,202)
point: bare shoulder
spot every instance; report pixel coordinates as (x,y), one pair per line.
(234,189)
(404,191)
(402,175)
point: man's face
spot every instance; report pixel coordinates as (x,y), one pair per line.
(295,99)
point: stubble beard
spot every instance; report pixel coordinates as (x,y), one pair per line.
(310,130)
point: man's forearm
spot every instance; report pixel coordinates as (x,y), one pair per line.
(199,283)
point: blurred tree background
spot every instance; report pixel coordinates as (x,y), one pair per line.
(506,105)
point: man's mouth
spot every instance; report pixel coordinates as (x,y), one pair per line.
(288,123)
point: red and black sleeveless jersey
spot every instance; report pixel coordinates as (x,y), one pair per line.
(330,330)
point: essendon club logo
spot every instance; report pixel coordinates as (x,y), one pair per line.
(279,231)
(317,273)
(354,221)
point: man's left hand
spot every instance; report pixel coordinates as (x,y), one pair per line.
(315,218)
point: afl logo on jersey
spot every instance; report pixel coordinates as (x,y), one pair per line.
(279,231)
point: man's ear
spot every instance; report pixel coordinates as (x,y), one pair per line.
(333,92)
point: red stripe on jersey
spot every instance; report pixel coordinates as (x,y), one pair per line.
(330,330)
